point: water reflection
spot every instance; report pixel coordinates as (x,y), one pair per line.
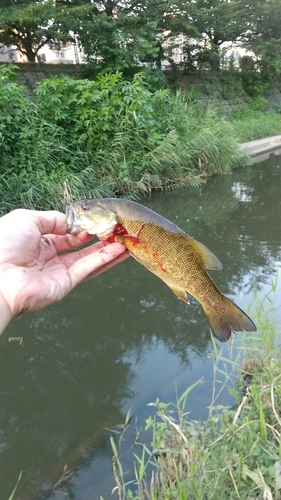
(124,339)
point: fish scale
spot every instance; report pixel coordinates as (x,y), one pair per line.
(165,250)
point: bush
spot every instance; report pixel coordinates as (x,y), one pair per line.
(106,137)
(251,78)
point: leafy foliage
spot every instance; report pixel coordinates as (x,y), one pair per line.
(265,37)
(29,25)
(117,35)
(104,137)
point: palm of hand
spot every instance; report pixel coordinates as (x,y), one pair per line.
(33,273)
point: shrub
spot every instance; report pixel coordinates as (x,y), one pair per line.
(106,137)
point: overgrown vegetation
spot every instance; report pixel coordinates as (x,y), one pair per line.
(126,35)
(236,454)
(250,124)
(107,137)
(251,115)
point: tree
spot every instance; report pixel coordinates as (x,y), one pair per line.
(214,22)
(254,24)
(112,34)
(115,34)
(29,25)
(128,33)
(264,37)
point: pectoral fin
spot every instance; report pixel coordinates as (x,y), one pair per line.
(127,240)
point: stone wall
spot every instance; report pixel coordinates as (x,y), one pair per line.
(29,74)
(209,87)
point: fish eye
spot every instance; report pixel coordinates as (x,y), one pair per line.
(86,206)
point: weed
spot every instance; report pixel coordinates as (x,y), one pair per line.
(12,496)
(108,137)
(250,124)
(237,451)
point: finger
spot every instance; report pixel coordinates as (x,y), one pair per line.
(70,258)
(67,242)
(50,221)
(105,267)
(86,261)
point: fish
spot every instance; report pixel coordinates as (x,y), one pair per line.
(164,249)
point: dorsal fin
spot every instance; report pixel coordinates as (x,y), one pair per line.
(209,259)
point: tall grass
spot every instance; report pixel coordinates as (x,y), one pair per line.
(12,496)
(250,124)
(236,454)
(107,137)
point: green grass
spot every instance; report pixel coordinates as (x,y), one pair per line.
(257,125)
(237,452)
(12,496)
(112,137)
(107,137)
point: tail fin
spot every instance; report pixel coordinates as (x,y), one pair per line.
(228,317)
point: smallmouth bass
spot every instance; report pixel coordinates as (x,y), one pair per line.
(165,250)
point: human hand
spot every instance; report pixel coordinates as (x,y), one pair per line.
(34,272)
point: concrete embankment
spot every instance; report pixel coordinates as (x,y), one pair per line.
(262,147)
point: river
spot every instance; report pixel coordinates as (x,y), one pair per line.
(120,341)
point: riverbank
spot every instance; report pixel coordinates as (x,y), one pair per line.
(105,138)
(261,146)
(115,138)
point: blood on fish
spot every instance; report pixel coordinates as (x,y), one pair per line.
(155,256)
(120,230)
(134,239)
(111,238)
(159,263)
(141,228)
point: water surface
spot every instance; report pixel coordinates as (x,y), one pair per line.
(123,340)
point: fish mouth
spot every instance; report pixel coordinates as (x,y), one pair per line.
(71,219)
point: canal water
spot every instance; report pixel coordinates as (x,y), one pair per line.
(122,340)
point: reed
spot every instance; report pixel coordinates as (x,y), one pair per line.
(12,496)
(104,138)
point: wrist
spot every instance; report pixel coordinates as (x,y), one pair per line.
(5,313)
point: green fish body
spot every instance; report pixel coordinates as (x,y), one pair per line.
(165,250)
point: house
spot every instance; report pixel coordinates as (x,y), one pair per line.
(11,54)
(67,54)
